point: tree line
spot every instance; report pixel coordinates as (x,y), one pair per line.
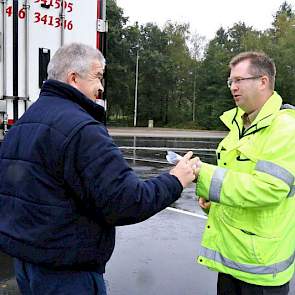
(182,80)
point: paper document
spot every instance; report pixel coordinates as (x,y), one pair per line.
(173,158)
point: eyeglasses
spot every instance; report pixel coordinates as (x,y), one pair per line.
(238,80)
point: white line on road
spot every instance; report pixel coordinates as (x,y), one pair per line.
(187,213)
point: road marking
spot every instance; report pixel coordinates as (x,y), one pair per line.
(187,213)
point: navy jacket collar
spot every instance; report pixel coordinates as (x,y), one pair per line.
(66,91)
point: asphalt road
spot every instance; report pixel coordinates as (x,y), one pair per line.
(157,257)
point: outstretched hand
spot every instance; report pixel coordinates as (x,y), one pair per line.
(186,168)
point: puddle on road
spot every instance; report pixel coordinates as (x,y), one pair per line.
(148,161)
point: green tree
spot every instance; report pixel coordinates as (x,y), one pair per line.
(164,71)
(174,81)
(283,51)
(118,90)
(214,96)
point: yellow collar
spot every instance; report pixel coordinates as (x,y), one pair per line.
(263,118)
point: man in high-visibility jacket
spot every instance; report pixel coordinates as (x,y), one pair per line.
(250,234)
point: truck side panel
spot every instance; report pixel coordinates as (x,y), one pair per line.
(43,26)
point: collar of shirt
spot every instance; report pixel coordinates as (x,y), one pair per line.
(249,118)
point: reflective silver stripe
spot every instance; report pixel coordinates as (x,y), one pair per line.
(216,184)
(292,192)
(249,268)
(276,171)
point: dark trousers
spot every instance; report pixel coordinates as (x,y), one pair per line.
(228,285)
(36,280)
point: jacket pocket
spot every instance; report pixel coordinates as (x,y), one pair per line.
(262,222)
(246,247)
(264,249)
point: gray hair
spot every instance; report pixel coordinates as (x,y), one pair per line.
(76,57)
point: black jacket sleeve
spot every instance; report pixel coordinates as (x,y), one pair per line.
(105,187)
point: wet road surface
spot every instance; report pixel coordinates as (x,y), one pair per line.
(157,257)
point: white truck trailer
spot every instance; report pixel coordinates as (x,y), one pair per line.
(31,31)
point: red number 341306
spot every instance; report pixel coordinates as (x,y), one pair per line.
(52,21)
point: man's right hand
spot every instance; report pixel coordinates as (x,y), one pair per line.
(184,170)
(203,203)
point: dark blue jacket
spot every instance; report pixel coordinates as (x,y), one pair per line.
(65,185)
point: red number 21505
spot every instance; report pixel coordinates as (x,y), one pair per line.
(56,4)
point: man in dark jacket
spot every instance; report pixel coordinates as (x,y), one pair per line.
(65,185)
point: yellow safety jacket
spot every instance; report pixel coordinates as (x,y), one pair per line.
(250,232)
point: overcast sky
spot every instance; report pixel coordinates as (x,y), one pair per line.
(204,16)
